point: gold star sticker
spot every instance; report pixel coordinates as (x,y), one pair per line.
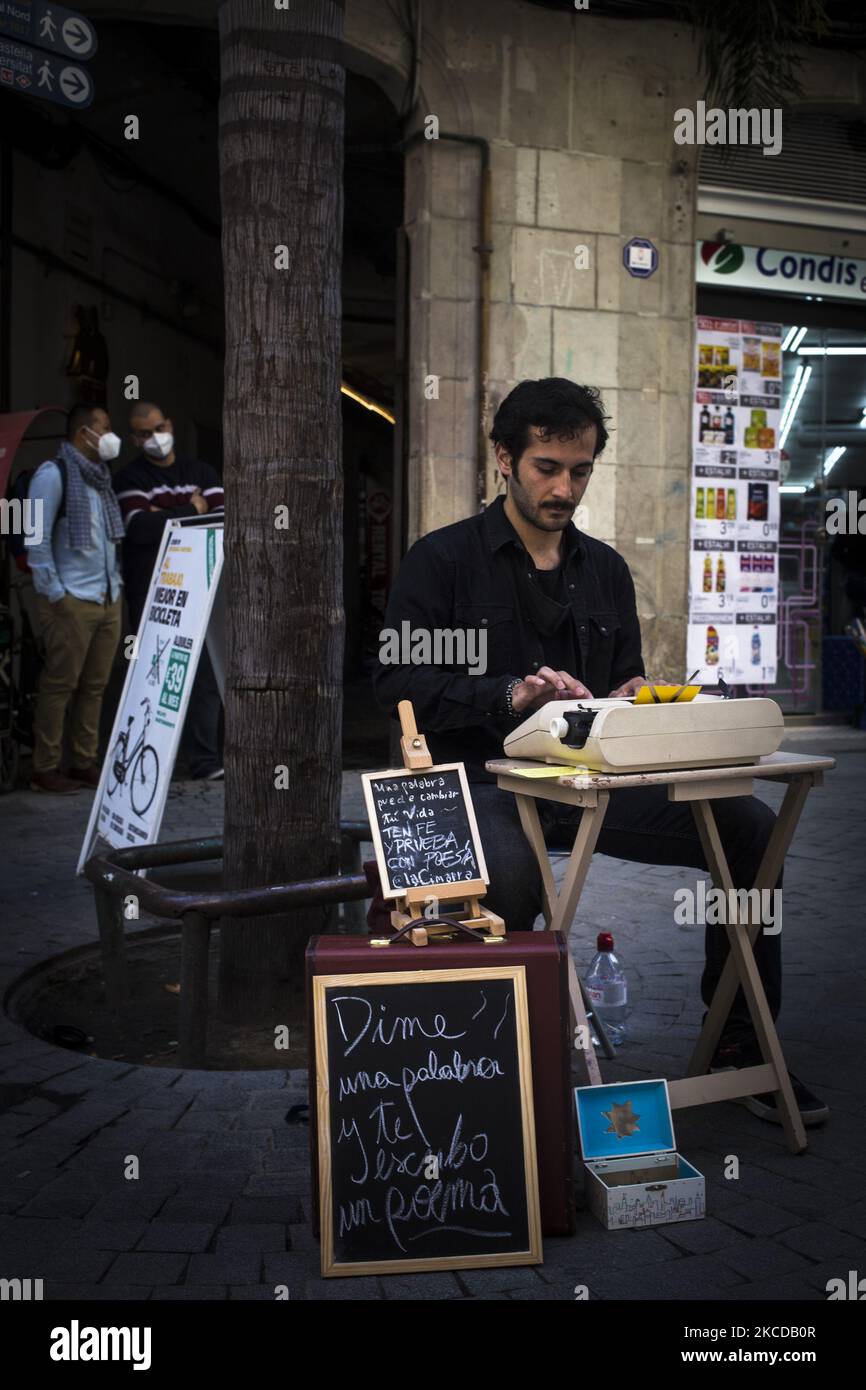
(623,1121)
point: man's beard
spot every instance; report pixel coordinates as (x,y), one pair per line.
(543,517)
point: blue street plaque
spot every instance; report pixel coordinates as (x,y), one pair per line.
(34,74)
(46,25)
(640,257)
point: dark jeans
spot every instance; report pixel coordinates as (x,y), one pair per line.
(641,825)
(200,742)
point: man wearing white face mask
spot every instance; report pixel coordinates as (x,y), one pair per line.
(157,486)
(77,580)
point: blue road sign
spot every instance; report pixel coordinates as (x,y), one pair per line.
(36,74)
(640,257)
(46,25)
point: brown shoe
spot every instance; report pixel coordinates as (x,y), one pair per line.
(54,782)
(87,776)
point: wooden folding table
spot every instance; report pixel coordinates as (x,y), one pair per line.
(593,791)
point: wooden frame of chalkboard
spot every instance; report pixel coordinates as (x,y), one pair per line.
(390,875)
(409,1122)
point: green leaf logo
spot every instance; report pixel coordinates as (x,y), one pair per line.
(722,257)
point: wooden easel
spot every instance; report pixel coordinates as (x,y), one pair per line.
(465,908)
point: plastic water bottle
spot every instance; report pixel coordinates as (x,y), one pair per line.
(607,989)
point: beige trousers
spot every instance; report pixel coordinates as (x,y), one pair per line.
(80,642)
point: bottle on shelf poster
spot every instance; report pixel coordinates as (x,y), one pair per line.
(734,531)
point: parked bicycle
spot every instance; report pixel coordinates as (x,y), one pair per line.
(139,764)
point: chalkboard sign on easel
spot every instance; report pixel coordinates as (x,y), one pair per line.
(425,1121)
(424,831)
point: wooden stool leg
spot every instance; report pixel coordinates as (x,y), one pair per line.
(768,873)
(529,820)
(743,970)
(578,864)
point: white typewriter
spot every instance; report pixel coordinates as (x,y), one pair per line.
(621,736)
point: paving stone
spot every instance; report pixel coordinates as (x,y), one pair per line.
(418,1286)
(63,1263)
(41,1108)
(181,1236)
(212,1210)
(198,1118)
(266,1209)
(821,1241)
(127,1204)
(229,1268)
(758,1218)
(699,1237)
(189,1293)
(851,1219)
(293,1271)
(150,1269)
(64,1204)
(762,1259)
(56,1291)
(363,1286)
(255,1238)
(693,1277)
(296,1183)
(478,1281)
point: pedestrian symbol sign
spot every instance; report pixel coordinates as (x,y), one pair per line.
(46,25)
(25,69)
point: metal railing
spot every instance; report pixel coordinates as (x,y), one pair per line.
(115,878)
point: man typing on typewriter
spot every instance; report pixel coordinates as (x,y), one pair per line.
(558,610)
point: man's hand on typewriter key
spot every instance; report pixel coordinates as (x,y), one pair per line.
(631,687)
(545,685)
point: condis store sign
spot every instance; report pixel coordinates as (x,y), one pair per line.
(724,263)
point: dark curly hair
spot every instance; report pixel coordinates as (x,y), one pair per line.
(555,406)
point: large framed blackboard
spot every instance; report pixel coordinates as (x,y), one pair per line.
(425,1122)
(424,831)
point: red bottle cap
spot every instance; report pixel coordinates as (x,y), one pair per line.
(605,941)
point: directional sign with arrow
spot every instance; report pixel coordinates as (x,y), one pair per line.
(36,74)
(46,25)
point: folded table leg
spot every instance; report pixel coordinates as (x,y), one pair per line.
(741,968)
(559,909)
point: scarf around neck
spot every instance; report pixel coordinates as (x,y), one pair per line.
(82,473)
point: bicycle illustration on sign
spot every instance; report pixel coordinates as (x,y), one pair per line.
(138,764)
(154,673)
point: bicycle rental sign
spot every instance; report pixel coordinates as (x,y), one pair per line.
(163,658)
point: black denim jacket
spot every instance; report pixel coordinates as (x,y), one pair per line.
(464,577)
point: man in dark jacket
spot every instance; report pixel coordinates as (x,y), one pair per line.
(558,610)
(157,486)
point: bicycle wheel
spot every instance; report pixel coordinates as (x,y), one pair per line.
(144,779)
(118,755)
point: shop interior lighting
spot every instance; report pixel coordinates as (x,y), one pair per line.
(794,487)
(863,419)
(833,457)
(367,403)
(792,404)
(794,339)
(831,352)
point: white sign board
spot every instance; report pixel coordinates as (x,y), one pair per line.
(136,773)
(734,542)
(725,265)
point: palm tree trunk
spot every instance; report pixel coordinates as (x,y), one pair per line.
(281,167)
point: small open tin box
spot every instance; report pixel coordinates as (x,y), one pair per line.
(634,1175)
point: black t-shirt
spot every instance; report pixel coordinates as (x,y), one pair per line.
(558,644)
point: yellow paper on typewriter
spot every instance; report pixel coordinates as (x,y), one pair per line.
(664,694)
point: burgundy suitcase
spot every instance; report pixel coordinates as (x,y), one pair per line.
(544,956)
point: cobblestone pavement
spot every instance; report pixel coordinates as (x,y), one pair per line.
(222,1205)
